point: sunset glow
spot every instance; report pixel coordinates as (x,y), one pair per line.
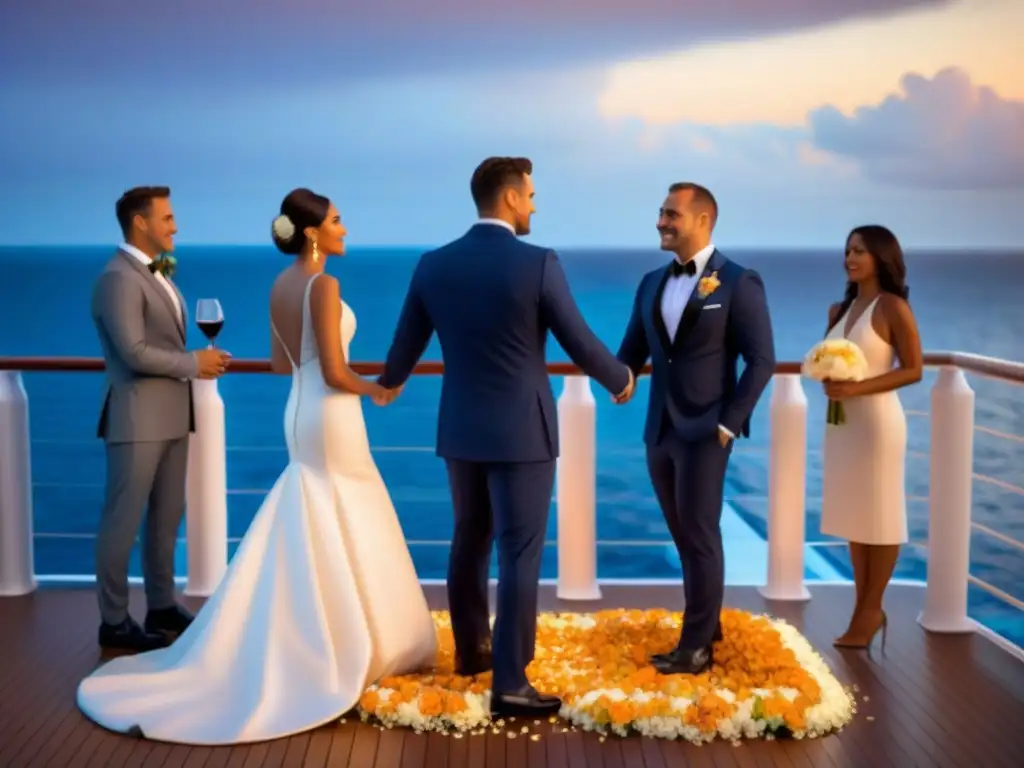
(803,115)
(780,79)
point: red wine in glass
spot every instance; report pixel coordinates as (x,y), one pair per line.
(209,318)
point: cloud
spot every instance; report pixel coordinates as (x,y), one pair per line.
(944,132)
(297,43)
(392,120)
(396,154)
(780,78)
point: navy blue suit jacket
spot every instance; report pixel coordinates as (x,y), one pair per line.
(492,299)
(694,378)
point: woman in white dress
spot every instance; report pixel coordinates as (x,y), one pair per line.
(863,494)
(321,598)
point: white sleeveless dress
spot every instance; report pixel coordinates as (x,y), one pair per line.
(863,487)
(320,600)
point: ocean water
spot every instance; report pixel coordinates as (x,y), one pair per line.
(962,301)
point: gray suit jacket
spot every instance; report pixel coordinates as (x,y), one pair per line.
(149,372)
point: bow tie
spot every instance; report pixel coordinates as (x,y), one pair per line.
(689,268)
(165,265)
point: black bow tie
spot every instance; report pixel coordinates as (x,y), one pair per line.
(689,268)
(153,266)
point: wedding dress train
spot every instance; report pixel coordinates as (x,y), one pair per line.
(320,600)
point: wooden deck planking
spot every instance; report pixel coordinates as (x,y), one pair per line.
(928,701)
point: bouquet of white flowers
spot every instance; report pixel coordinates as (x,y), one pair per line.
(835,360)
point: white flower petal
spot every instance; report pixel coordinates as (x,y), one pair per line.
(834,710)
(283,228)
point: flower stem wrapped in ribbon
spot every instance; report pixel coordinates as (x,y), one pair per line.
(835,360)
(835,413)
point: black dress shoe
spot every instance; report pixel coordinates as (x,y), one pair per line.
(129,636)
(686,661)
(473,659)
(526,702)
(477,664)
(168,621)
(664,658)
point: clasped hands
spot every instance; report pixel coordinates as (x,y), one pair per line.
(384,396)
(626,395)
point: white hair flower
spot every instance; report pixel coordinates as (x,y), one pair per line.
(283,228)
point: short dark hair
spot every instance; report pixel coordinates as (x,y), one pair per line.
(495,174)
(304,208)
(137,201)
(701,196)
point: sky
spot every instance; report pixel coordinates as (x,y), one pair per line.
(804,117)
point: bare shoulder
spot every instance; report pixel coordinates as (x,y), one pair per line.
(833,312)
(891,317)
(325,286)
(894,307)
(324,293)
(895,312)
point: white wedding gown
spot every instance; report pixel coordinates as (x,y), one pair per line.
(320,600)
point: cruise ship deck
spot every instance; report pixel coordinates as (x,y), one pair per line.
(948,689)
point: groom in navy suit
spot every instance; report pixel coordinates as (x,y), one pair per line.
(492,300)
(694,319)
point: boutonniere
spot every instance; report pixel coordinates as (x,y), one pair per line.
(708,285)
(165,265)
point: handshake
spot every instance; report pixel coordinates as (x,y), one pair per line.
(627,394)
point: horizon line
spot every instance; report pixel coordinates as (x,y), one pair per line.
(994,249)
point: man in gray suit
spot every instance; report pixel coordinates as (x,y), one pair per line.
(147,416)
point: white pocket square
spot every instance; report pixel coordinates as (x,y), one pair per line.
(712,306)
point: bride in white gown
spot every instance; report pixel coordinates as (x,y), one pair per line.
(321,598)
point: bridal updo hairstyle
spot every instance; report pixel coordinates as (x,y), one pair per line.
(302,208)
(890,268)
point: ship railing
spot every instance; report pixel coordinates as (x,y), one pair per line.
(951,526)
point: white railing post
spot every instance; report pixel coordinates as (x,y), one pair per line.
(17,563)
(949,504)
(577,493)
(206,515)
(787,490)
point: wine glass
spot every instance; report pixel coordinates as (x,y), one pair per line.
(209,318)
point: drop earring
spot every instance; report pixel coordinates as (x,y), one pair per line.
(316,252)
